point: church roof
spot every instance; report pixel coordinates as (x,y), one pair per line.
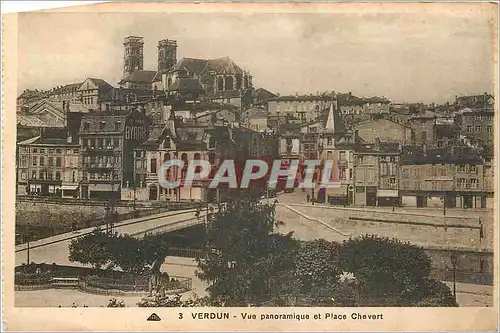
(139,76)
(186,85)
(200,66)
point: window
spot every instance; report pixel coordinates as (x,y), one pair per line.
(102,125)
(392,181)
(211,142)
(153,165)
(41,174)
(116,143)
(478,128)
(423,136)
(58,151)
(42,151)
(461,168)
(473,183)
(75,151)
(383,169)
(489,129)
(35,150)
(33,174)
(392,159)
(440,144)
(167,143)
(23,160)
(74,176)
(478,117)
(23,174)
(51,161)
(49,175)
(58,161)
(51,151)
(68,151)
(42,161)
(100,143)
(461,182)
(473,169)
(342,156)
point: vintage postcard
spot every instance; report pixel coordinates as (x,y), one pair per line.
(250,167)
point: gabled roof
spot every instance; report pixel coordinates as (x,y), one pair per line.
(263,95)
(139,76)
(102,85)
(201,66)
(29,141)
(333,123)
(30,120)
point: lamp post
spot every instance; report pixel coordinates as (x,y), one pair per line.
(454,261)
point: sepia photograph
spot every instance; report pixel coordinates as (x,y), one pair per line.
(270,157)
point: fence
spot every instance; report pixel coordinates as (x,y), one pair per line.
(186,253)
(100,286)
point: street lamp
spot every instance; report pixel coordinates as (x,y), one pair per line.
(454,261)
(444,205)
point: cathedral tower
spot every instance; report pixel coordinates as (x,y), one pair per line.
(167,54)
(133,58)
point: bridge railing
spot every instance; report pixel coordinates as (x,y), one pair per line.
(172,226)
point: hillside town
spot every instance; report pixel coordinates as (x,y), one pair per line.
(98,140)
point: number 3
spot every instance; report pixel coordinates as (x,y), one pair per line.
(180,315)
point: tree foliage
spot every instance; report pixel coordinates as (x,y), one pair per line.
(90,249)
(131,254)
(390,272)
(248,262)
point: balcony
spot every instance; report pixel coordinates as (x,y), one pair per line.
(100,166)
(100,150)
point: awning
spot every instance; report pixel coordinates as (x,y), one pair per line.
(69,187)
(103,187)
(387,193)
(336,191)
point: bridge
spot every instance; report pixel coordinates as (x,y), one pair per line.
(55,249)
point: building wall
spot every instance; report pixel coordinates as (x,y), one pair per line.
(309,108)
(385,130)
(477,125)
(423,130)
(48,162)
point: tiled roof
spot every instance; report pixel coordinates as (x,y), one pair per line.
(30,120)
(29,141)
(192,65)
(349,100)
(140,76)
(190,145)
(102,85)
(301,98)
(262,94)
(376,99)
(225,64)
(66,88)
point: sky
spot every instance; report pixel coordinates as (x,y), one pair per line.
(414,57)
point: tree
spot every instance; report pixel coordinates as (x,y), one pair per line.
(317,269)
(246,261)
(90,249)
(390,272)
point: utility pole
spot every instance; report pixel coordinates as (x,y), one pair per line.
(444,205)
(28,249)
(454,261)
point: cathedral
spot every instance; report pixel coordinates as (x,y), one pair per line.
(220,79)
